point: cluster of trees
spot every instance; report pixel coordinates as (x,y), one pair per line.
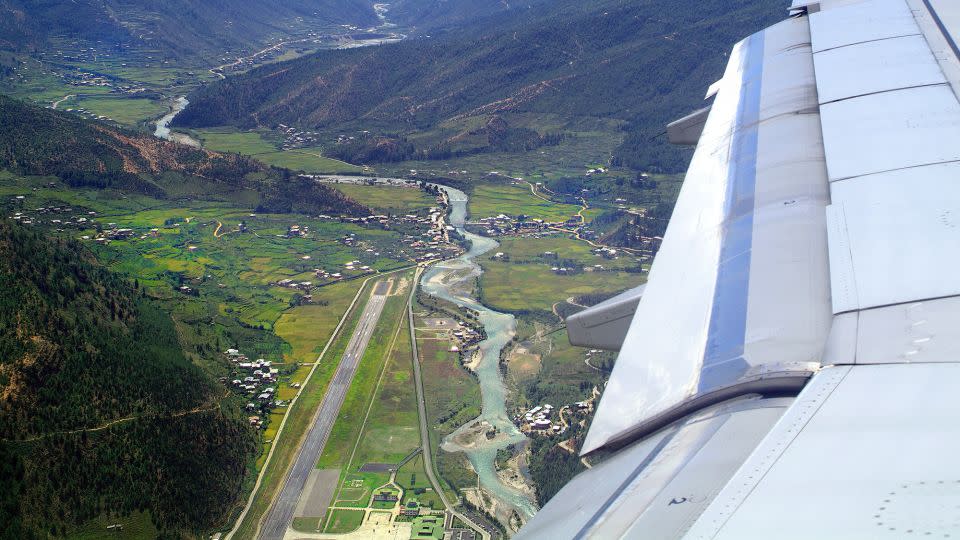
(392,149)
(551,467)
(291,193)
(101,411)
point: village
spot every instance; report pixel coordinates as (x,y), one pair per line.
(541,420)
(256,379)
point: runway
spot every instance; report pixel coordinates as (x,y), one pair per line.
(281,513)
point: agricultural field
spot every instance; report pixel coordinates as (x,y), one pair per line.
(526,288)
(513,200)
(259,145)
(393,199)
(122,110)
(532,250)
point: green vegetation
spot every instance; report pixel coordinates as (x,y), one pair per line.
(252,143)
(514,200)
(345,433)
(36,141)
(415,483)
(119,109)
(393,199)
(65,322)
(177,29)
(392,430)
(524,288)
(307,524)
(356,488)
(344,521)
(299,418)
(606,59)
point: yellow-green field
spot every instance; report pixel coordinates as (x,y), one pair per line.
(527,283)
(253,143)
(513,200)
(128,111)
(397,200)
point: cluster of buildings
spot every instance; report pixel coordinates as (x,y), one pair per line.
(295,138)
(256,379)
(502,224)
(465,336)
(47,213)
(537,419)
(541,419)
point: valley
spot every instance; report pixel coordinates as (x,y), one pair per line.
(366,224)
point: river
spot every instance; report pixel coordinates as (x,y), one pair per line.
(449,280)
(163,124)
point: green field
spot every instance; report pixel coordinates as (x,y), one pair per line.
(532,287)
(307,524)
(415,483)
(128,111)
(307,160)
(253,143)
(452,398)
(589,142)
(344,521)
(531,250)
(229,140)
(345,433)
(356,488)
(392,429)
(396,200)
(513,200)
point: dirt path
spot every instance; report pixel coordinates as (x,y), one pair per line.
(533,190)
(125,419)
(61,100)
(216,233)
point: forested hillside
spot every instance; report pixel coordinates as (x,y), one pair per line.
(642,62)
(84,153)
(100,412)
(433,16)
(180,28)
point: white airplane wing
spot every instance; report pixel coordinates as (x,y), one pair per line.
(791,367)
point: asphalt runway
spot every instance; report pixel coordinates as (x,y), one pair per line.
(281,513)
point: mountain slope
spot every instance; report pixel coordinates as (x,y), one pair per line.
(178,27)
(38,141)
(644,62)
(100,412)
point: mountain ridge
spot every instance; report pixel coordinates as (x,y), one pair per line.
(610,59)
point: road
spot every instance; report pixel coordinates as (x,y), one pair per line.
(424,431)
(281,512)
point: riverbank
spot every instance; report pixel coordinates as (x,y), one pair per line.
(481,438)
(163,125)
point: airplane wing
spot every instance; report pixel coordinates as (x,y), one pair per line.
(790,368)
